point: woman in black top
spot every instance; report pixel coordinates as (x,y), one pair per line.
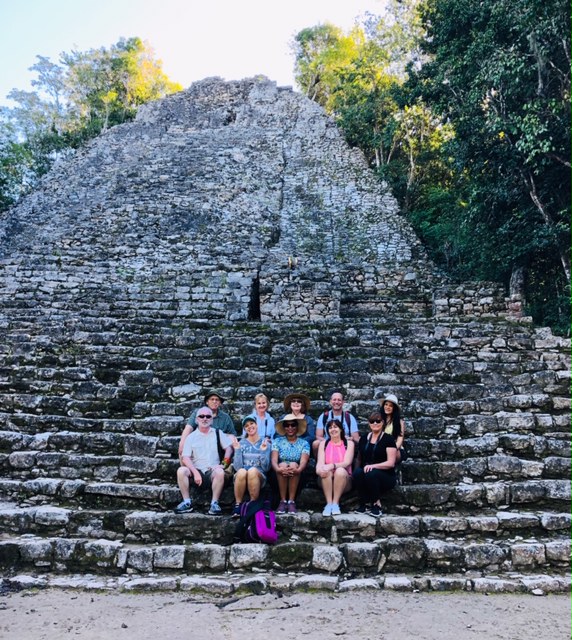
(375,472)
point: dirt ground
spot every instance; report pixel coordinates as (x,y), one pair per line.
(55,614)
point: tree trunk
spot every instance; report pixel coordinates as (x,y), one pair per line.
(564,256)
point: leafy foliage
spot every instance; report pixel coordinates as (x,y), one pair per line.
(464,108)
(73,101)
(499,71)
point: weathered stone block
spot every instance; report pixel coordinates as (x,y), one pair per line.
(292,554)
(558,551)
(169,557)
(200,557)
(248,555)
(483,555)
(405,552)
(206,585)
(140,559)
(527,555)
(328,559)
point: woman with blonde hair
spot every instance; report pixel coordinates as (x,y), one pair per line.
(265,422)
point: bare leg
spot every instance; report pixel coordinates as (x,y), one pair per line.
(240,485)
(253,480)
(340,484)
(217,483)
(184,480)
(282,485)
(293,483)
(327,487)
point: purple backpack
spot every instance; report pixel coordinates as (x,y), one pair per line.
(257,523)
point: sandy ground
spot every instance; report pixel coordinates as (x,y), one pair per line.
(56,614)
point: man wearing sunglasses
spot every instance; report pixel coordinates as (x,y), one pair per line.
(201,462)
(221,420)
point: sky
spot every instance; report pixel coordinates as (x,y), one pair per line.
(195,39)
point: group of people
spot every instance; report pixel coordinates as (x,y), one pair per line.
(274,455)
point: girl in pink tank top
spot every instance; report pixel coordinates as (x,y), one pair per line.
(334,466)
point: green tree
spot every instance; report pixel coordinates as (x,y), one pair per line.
(104,87)
(85,93)
(499,71)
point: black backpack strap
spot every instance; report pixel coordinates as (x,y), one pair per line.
(219,445)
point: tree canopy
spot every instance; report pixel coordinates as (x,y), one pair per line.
(73,100)
(464,107)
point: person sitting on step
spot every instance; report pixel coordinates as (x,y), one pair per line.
(336,412)
(394,424)
(289,458)
(334,466)
(265,422)
(221,420)
(298,404)
(374,474)
(251,463)
(201,463)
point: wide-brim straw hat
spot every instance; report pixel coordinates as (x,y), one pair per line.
(305,401)
(280,425)
(390,397)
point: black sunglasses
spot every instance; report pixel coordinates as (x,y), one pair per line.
(375,421)
(290,424)
(204,417)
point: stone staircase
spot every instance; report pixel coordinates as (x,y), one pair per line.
(92,410)
(230,239)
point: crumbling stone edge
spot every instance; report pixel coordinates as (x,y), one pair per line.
(257,584)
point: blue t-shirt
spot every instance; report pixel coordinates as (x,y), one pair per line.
(290,451)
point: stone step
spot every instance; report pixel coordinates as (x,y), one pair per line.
(105,438)
(438,434)
(452,498)
(345,559)
(161,527)
(144,468)
(244,581)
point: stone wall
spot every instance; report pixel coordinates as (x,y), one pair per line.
(196,206)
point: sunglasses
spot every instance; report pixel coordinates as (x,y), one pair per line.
(375,421)
(204,417)
(290,424)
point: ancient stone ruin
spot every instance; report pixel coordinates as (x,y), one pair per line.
(229,238)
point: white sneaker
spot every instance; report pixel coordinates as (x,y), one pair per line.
(327,510)
(335,510)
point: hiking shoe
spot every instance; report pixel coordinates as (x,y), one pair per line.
(184,507)
(375,511)
(292,507)
(282,507)
(361,509)
(236,510)
(215,509)
(327,510)
(335,510)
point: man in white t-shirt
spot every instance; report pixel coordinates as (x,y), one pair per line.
(201,462)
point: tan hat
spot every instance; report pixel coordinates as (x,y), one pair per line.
(289,418)
(390,397)
(291,396)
